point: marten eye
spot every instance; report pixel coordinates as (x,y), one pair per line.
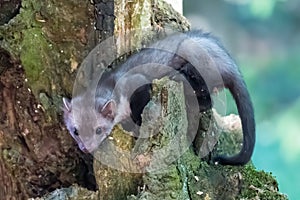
(75,132)
(98,131)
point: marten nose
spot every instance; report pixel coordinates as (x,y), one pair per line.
(89,144)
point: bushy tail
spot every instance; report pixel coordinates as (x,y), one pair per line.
(242,98)
(217,68)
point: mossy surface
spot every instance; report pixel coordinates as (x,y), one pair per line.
(115,172)
(41,71)
(189,177)
(259,185)
(35,59)
(50,38)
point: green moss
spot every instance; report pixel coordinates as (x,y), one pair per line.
(187,177)
(48,37)
(259,185)
(24,38)
(34,60)
(13,32)
(122,138)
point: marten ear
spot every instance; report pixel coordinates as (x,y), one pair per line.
(67,104)
(109,109)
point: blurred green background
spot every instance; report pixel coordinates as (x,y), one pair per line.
(264,38)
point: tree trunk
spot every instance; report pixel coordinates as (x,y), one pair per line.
(42,45)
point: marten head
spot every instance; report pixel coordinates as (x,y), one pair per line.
(87,124)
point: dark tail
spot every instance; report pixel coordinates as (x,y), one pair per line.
(242,98)
(199,49)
